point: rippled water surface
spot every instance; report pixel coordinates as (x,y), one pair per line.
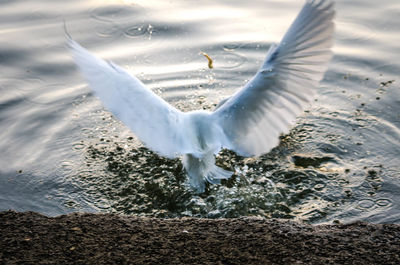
(62,152)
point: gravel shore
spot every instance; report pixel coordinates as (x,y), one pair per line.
(83,238)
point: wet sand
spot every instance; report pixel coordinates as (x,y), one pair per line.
(83,238)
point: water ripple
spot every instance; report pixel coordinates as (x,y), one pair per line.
(348,30)
(116,13)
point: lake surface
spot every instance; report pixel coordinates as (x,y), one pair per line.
(62,152)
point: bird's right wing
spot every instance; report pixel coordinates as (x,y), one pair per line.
(254,117)
(156,123)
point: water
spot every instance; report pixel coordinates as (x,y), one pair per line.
(62,152)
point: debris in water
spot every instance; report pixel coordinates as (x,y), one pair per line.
(387,83)
(210,61)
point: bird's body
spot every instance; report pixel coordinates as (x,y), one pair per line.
(249,122)
(207,137)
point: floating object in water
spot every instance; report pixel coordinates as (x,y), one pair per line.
(249,122)
(210,61)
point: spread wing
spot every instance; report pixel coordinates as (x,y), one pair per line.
(156,123)
(254,117)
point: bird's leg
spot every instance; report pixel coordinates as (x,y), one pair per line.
(203,168)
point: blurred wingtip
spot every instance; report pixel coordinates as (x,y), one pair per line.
(322,5)
(66,33)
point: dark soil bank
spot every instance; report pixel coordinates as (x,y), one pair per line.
(31,238)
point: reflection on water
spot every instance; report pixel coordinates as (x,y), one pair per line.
(62,152)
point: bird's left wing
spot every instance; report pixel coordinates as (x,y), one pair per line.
(254,117)
(156,123)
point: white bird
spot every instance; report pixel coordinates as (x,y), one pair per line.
(249,122)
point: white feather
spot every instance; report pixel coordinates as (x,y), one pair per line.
(154,121)
(254,117)
(248,123)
